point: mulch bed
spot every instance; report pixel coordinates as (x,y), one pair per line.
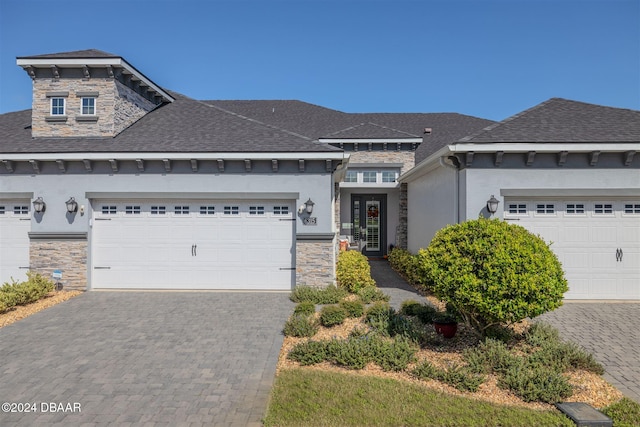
(22,311)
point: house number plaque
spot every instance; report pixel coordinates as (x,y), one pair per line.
(312,220)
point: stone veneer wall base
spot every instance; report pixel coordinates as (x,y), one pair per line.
(315,262)
(70,256)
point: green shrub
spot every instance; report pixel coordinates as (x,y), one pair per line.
(536,383)
(410,307)
(353,271)
(309,352)
(395,355)
(425,371)
(492,272)
(424,312)
(353,353)
(456,376)
(490,356)
(329,295)
(21,293)
(332,315)
(300,325)
(353,308)
(372,294)
(379,309)
(406,264)
(305,307)
(539,334)
(624,413)
(461,378)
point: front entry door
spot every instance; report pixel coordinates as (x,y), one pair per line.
(369,216)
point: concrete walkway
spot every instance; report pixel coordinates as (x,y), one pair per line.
(609,331)
(145,358)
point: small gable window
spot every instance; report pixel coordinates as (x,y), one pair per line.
(88,106)
(57,106)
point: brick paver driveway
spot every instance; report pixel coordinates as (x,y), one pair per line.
(611,332)
(145,358)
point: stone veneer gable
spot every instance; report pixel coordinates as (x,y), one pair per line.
(117,107)
(407,158)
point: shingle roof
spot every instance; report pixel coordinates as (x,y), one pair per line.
(320,122)
(185,125)
(562,120)
(88,53)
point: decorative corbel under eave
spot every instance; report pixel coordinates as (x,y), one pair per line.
(31,71)
(593,158)
(85,72)
(274,165)
(468,158)
(62,166)
(8,164)
(87,165)
(329,165)
(167,165)
(110,71)
(220,165)
(140,164)
(562,157)
(531,157)
(247,165)
(301,165)
(194,165)
(498,159)
(35,165)
(628,157)
(55,71)
(114,165)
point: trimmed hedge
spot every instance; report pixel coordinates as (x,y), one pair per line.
(353,272)
(492,272)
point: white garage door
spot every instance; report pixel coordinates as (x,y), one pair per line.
(193,244)
(597,241)
(15,224)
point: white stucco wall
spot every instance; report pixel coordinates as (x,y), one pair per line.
(56,189)
(432,195)
(431,206)
(480,184)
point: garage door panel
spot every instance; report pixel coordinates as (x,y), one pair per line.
(597,242)
(192,245)
(15,224)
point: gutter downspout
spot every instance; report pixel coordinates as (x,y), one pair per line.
(455,166)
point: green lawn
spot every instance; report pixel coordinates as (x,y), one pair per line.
(304,397)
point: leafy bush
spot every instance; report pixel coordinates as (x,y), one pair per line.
(410,307)
(460,377)
(536,383)
(21,293)
(489,356)
(624,413)
(395,355)
(424,312)
(300,325)
(372,294)
(406,264)
(309,352)
(353,271)
(353,308)
(353,353)
(306,308)
(329,295)
(332,315)
(378,310)
(492,272)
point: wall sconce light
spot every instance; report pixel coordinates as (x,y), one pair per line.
(306,207)
(492,205)
(72,205)
(39,205)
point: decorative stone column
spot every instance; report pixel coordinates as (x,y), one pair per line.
(315,260)
(60,251)
(402,239)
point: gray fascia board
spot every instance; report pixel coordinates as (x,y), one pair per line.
(57,236)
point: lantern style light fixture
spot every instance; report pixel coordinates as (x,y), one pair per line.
(492,204)
(309,205)
(72,205)
(39,205)
(306,207)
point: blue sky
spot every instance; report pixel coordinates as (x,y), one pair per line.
(486,58)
